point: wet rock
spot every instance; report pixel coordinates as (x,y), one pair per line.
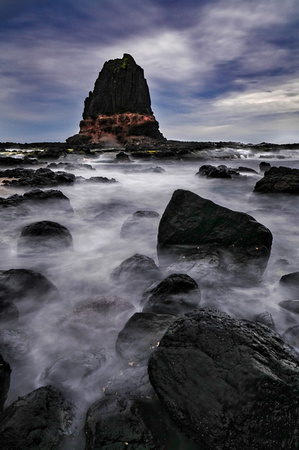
(264,166)
(11,161)
(136,272)
(45,236)
(103,180)
(141,335)
(122,157)
(221,171)
(131,415)
(8,312)
(279,180)
(51,198)
(36,178)
(4,381)
(289,284)
(17,284)
(229,383)
(290,305)
(39,420)
(291,335)
(15,346)
(192,226)
(175,295)
(71,372)
(140,223)
(265,318)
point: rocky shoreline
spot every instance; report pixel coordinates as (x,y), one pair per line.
(151,358)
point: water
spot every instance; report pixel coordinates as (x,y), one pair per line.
(44,332)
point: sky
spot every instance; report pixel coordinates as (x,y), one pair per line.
(217,70)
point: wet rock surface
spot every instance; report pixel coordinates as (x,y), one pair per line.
(191,225)
(45,236)
(35,178)
(141,335)
(221,171)
(53,199)
(175,295)
(240,377)
(40,419)
(4,381)
(279,180)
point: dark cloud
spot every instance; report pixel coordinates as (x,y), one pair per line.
(209,64)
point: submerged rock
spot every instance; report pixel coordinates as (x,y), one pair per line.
(175,295)
(39,420)
(192,228)
(140,223)
(136,273)
(228,383)
(36,178)
(141,335)
(45,236)
(289,284)
(221,171)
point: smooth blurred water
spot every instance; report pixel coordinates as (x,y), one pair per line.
(98,248)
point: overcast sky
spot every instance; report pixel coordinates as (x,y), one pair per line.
(216,69)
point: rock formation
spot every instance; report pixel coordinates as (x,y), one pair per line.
(119,108)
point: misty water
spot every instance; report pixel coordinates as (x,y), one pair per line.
(45,331)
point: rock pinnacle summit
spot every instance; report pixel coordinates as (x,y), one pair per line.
(119,108)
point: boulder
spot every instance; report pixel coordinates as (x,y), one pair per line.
(137,272)
(45,236)
(140,223)
(291,335)
(39,420)
(4,382)
(290,305)
(17,284)
(130,414)
(289,284)
(175,295)
(279,180)
(103,180)
(264,166)
(36,178)
(8,312)
(221,171)
(192,228)
(229,383)
(52,199)
(141,335)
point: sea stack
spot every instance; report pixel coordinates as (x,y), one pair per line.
(119,108)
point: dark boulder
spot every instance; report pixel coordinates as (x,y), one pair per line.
(175,295)
(103,180)
(266,319)
(17,284)
(51,198)
(139,224)
(122,157)
(289,284)
(39,420)
(130,415)
(136,272)
(141,335)
(279,180)
(291,335)
(45,236)
(4,382)
(229,383)
(290,305)
(221,171)
(192,227)
(8,312)
(36,178)
(264,166)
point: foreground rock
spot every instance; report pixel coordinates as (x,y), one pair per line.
(45,236)
(279,180)
(289,284)
(39,420)
(119,106)
(193,228)
(229,383)
(4,381)
(175,295)
(139,224)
